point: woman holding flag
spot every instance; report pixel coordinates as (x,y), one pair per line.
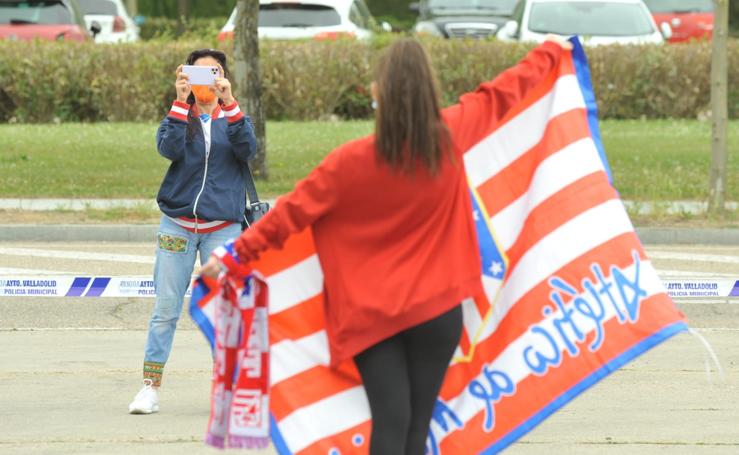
(392,221)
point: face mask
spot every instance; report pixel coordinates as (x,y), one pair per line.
(203,94)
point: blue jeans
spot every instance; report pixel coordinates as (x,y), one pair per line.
(175,259)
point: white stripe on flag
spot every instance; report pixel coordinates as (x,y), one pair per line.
(209,310)
(491,286)
(295,284)
(561,246)
(291,357)
(323,418)
(522,132)
(556,172)
(471,317)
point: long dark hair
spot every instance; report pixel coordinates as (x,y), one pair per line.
(192,122)
(408,125)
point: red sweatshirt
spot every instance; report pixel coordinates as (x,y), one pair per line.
(396,249)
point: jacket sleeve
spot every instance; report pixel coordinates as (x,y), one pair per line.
(240,132)
(313,197)
(480,111)
(171,133)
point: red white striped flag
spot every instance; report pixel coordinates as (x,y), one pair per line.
(570,293)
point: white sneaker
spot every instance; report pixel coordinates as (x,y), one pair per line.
(146,401)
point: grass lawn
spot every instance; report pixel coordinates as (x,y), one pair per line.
(651,160)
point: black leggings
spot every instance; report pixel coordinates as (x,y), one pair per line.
(402,376)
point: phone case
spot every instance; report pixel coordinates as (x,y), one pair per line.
(201,75)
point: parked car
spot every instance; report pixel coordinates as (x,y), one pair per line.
(462,18)
(689,19)
(310,19)
(59,20)
(595,21)
(115,23)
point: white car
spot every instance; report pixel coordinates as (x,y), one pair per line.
(116,26)
(597,22)
(304,19)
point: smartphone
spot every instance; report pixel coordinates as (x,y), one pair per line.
(201,75)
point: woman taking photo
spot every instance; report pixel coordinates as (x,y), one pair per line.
(208,141)
(391,217)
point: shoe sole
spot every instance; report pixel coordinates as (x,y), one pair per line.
(143,411)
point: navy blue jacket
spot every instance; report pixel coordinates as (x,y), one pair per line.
(212,189)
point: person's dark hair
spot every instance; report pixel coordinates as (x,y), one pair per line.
(408,124)
(192,122)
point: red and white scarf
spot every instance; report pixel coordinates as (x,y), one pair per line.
(239,415)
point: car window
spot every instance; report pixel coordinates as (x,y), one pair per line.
(497,6)
(590,18)
(297,15)
(680,6)
(35,12)
(102,7)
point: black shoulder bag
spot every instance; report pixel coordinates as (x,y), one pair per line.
(254,208)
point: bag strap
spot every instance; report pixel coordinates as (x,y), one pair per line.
(251,189)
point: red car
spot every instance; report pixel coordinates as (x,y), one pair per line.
(689,19)
(46,20)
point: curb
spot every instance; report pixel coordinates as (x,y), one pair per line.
(684,236)
(78,233)
(147,233)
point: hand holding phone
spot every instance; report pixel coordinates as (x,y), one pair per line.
(182,86)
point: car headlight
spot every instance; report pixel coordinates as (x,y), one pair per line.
(427,28)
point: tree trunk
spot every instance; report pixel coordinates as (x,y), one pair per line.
(183,11)
(248,77)
(719,107)
(132,6)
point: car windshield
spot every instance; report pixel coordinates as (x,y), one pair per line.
(590,18)
(680,6)
(297,15)
(34,12)
(101,7)
(497,6)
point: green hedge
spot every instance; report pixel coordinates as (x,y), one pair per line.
(197,29)
(49,81)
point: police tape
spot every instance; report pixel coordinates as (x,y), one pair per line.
(77,286)
(692,288)
(143,286)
